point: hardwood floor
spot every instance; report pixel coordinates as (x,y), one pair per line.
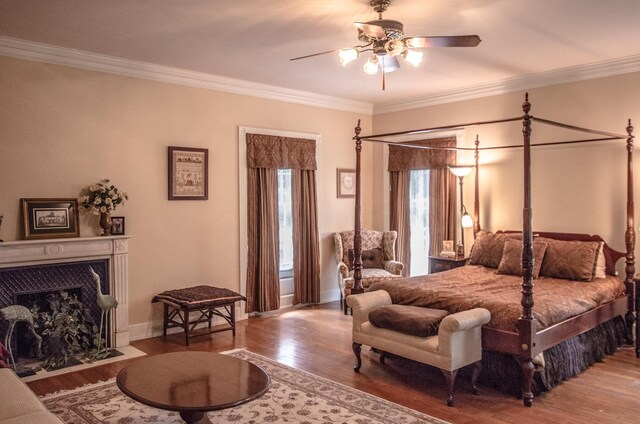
(318,340)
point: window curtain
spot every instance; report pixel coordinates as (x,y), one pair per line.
(306,244)
(266,154)
(442,191)
(399,217)
(263,274)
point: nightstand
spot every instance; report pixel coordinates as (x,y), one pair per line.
(438,264)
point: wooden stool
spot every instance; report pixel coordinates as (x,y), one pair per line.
(209,301)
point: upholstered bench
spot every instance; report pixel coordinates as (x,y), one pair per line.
(457,343)
(209,301)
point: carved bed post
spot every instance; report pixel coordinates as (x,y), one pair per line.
(476,200)
(357,238)
(630,241)
(526,323)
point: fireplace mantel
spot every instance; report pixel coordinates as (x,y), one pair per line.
(52,251)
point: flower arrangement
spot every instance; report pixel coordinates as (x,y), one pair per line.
(102,198)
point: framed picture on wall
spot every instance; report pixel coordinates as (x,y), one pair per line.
(117,225)
(188,173)
(346,181)
(49,218)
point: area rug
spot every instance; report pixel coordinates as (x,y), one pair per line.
(295,396)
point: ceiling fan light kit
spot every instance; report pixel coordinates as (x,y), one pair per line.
(385,38)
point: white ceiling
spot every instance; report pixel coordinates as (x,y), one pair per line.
(253,40)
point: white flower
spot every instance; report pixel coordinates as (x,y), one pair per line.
(97,201)
(103,209)
(107,200)
(92,188)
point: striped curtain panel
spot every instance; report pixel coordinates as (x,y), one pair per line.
(399,217)
(263,273)
(306,243)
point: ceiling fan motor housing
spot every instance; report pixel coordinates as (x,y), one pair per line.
(394,30)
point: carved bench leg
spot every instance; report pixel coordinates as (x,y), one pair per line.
(357,347)
(527,377)
(477,367)
(450,376)
(383,356)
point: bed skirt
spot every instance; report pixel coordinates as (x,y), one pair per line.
(562,361)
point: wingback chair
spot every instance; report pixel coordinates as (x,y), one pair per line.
(379,259)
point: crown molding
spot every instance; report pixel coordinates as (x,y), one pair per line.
(559,76)
(40,52)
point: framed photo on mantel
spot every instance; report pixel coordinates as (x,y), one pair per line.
(188,173)
(49,218)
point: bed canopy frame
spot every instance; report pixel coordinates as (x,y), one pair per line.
(528,342)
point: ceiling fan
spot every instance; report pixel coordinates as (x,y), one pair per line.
(386,40)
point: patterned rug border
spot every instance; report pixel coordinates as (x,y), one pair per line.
(357,403)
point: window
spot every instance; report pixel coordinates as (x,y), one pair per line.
(419,218)
(285,223)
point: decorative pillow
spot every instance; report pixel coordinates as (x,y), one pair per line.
(412,320)
(601,263)
(570,260)
(371,258)
(511,263)
(487,248)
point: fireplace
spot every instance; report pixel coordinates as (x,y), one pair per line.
(27,285)
(37,267)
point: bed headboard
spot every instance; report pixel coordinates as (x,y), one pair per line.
(611,256)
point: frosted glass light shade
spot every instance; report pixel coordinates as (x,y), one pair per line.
(414,57)
(371,67)
(347,55)
(460,170)
(466,221)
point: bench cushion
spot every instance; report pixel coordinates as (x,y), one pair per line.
(412,320)
(199,296)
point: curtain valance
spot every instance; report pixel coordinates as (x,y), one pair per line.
(407,158)
(274,152)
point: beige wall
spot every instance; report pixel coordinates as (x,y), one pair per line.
(574,188)
(64,129)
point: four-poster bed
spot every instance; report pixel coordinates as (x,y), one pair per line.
(527,340)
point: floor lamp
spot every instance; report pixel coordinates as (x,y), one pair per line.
(466,221)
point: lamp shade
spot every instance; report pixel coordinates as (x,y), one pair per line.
(466,221)
(460,170)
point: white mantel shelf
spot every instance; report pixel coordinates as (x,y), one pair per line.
(51,251)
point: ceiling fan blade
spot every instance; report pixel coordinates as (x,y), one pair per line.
(374,31)
(443,41)
(315,54)
(389,63)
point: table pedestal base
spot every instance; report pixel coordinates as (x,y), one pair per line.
(192,417)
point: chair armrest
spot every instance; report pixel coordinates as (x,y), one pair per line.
(343,270)
(362,303)
(394,267)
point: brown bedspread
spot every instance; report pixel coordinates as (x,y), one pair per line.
(474,286)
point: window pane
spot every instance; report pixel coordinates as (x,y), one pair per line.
(419,217)
(285,220)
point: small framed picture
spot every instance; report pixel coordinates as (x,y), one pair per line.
(117,225)
(447,249)
(49,218)
(188,173)
(346,181)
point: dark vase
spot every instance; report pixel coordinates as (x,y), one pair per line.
(105,223)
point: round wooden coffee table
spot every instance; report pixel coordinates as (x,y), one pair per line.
(192,383)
